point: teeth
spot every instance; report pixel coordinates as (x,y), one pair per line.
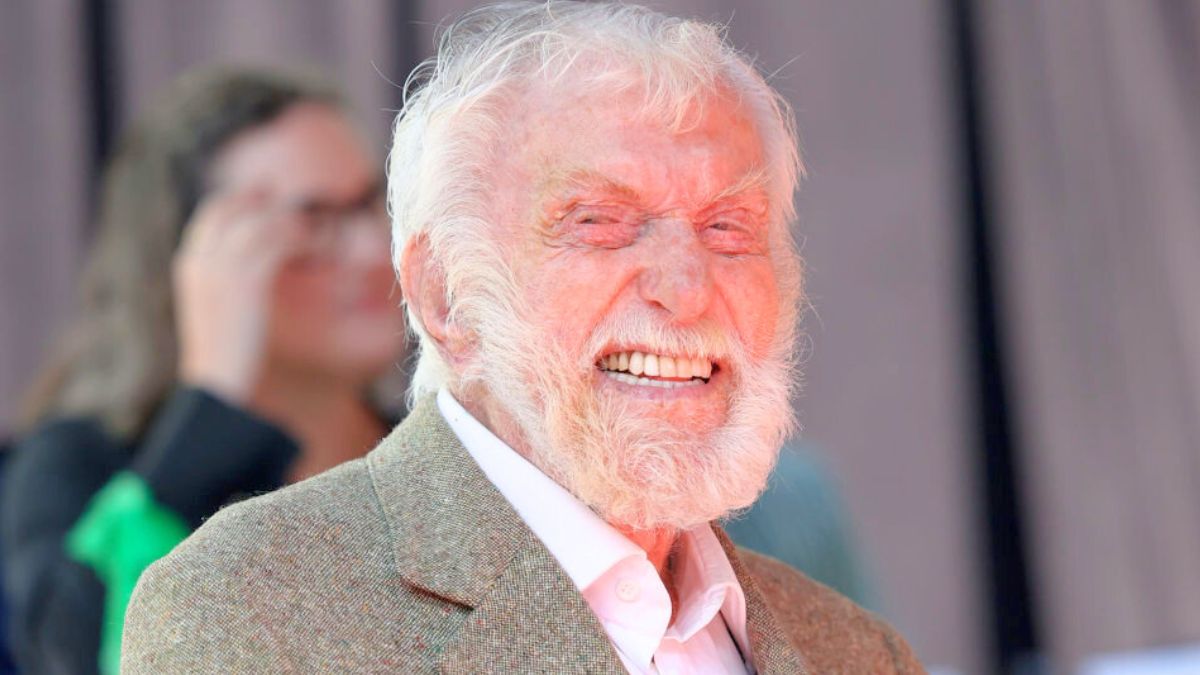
(666,366)
(637,363)
(683,367)
(656,365)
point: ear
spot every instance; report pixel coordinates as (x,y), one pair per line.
(423,282)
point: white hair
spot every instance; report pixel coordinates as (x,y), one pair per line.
(459,103)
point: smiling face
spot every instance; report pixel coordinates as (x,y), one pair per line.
(649,369)
(634,225)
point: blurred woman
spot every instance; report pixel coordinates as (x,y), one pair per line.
(237,309)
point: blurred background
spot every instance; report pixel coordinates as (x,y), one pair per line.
(1002,230)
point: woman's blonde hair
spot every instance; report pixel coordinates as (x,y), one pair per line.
(117,361)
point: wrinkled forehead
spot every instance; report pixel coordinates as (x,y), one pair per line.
(572,137)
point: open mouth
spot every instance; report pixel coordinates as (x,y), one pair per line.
(657,370)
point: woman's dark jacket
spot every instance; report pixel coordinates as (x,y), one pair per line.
(198,454)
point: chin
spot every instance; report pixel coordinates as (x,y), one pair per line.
(644,472)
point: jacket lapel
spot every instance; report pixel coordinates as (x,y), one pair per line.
(455,536)
(533,620)
(770,647)
(452,532)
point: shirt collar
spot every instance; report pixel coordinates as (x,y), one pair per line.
(705,584)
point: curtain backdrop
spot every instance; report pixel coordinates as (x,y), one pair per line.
(355,42)
(1095,119)
(44,182)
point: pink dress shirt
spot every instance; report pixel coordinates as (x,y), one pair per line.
(616,579)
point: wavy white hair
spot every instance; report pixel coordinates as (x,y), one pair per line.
(459,103)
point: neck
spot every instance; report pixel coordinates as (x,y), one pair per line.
(657,544)
(324,413)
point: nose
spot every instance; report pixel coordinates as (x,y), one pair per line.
(675,275)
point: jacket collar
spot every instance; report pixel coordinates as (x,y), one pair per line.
(455,536)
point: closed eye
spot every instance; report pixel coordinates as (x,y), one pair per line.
(733,234)
(601,225)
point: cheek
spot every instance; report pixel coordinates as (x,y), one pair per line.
(574,291)
(751,292)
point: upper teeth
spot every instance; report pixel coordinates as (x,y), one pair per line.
(657,365)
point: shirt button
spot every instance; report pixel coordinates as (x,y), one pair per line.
(628,590)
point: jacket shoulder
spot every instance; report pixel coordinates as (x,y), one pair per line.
(832,633)
(244,583)
(322,514)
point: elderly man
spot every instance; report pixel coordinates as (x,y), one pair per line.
(591,207)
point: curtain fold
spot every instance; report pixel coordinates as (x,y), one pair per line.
(353,42)
(1095,124)
(45,187)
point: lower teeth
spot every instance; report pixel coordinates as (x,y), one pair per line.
(647,382)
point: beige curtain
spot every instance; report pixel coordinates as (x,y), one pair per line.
(1095,120)
(44,182)
(355,42)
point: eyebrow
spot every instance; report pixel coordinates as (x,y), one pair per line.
(754,181)
(588,180)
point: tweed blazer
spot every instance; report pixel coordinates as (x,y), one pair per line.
(409,560)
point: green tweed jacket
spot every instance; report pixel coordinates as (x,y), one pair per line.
(410,561)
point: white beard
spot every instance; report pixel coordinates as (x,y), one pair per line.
(636,470)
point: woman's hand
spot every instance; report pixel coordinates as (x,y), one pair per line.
(223,275)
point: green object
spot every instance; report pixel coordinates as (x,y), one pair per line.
(120,534)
